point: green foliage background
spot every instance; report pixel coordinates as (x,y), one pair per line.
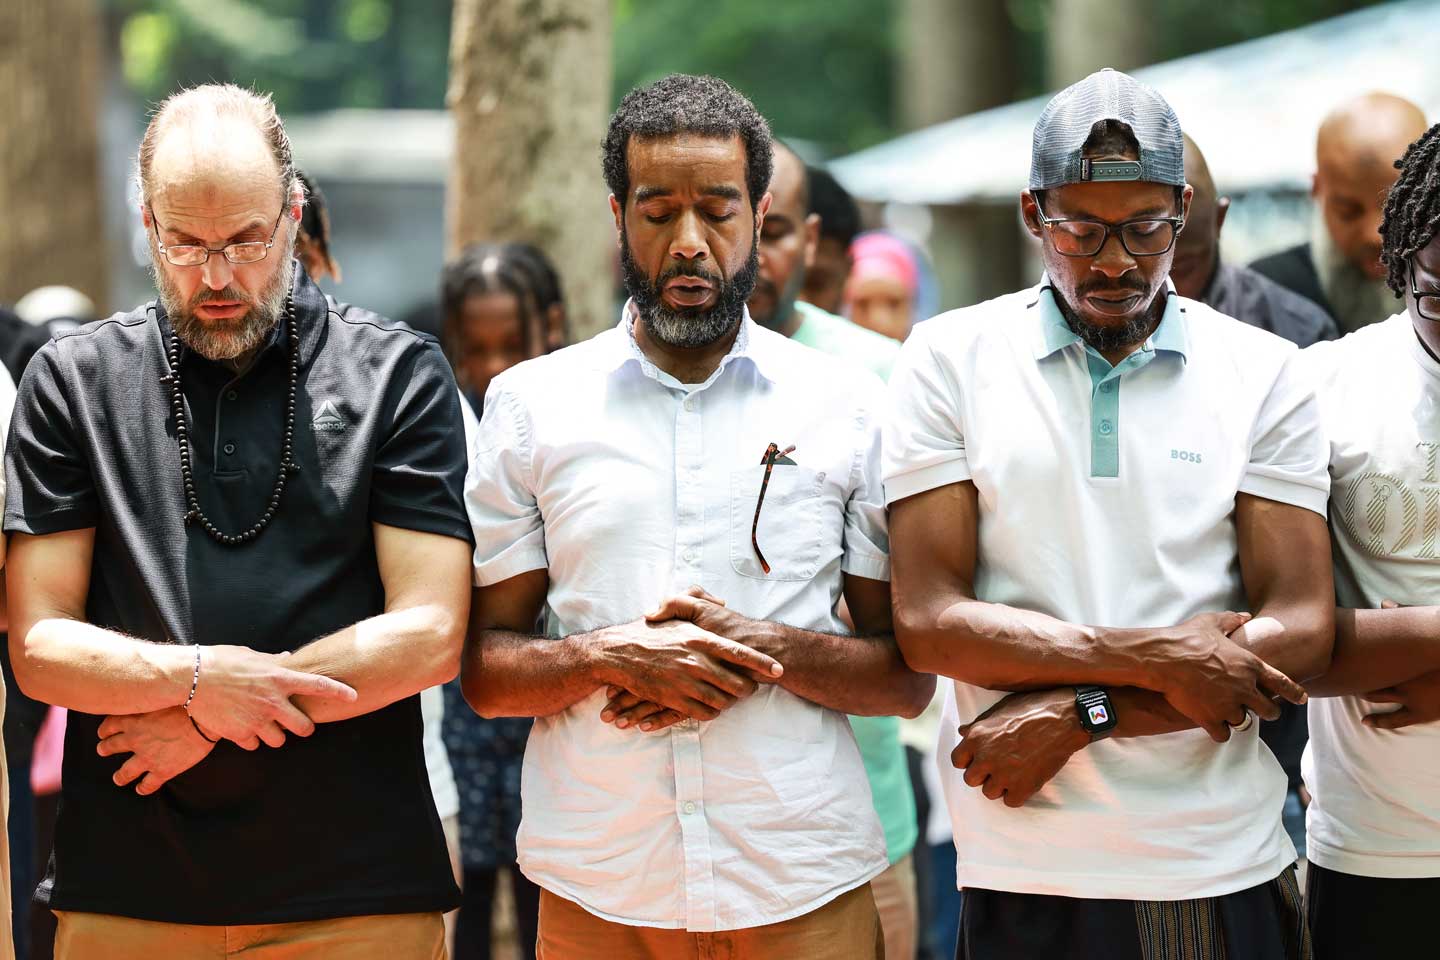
(821,70)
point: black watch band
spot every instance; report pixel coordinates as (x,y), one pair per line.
(1097,713)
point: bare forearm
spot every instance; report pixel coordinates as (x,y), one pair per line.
(81,667)
(1380,648)
(1005,648)
(1295,638)
(386,658)
(1292,638)
(510,674)
(861,675)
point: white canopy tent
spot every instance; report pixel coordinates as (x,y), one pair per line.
(1253,108)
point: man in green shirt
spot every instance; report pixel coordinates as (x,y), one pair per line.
(787,246)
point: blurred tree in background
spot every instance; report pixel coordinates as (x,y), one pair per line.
(311,54)
(822,70)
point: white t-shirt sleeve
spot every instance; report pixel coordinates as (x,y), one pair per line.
(1289,454)
(437,759)
(7,407)
(924,433)
(867,535)
(500,493)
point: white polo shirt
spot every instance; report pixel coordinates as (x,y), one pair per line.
(1107,498)
(629,486)
(1376,808)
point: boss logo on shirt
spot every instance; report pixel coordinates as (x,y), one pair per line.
(1188,456)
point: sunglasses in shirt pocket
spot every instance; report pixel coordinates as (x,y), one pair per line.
(789,531)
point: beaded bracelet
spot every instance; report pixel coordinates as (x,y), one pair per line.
(195,685)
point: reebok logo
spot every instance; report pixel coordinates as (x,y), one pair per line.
(327,417)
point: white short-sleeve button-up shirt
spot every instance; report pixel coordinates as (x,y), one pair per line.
(628,486)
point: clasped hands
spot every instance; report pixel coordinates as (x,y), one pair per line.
(691,658)
(1418,699)
(243,696)
(1017,746)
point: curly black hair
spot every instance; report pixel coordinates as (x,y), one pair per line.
(681,103)
(1412,209)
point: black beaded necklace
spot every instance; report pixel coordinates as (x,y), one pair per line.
(193,513)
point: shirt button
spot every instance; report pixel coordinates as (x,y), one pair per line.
(1107,387)
(232,395)
(689,556)
(229,448)
(1106,428)
(689,806)
(689,404)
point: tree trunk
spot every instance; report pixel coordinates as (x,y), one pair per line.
(955,59)
(530,94)
(50,62)
(1085,35)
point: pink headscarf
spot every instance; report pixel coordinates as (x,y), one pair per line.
(878,253)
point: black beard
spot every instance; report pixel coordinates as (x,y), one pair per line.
(1107,337)
(689,328)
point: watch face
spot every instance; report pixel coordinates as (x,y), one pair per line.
(1099,715)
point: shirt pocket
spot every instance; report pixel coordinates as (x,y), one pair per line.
(789,532)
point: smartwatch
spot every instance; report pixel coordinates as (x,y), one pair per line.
(1097,713)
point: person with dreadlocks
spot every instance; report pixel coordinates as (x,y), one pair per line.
(501,305)
(312,236)
(1373,763)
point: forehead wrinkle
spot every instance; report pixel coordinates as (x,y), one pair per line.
(690,157)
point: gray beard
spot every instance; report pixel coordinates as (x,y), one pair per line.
(687,331)
(227,339)
(1356,299)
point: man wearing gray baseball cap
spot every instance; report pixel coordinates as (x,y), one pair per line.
(1107,514)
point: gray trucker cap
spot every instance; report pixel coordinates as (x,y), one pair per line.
(1067,119)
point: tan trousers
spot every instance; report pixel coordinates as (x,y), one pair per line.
(403,936)
(846,928)
(7,937)
(899,906)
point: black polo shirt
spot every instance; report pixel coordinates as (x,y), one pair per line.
(338,824)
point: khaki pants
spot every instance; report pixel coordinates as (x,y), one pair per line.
(899,905)
(846,928)
(403,936)
(7,937)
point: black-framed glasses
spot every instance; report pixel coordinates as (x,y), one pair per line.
(193,255)
(772,453)
(1427,304)
(1144,237)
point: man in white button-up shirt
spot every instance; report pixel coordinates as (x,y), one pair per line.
(691,495)
(1086,479)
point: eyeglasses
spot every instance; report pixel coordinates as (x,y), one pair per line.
(193,255)
(1427,304)
(1147,237)
(772,453)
